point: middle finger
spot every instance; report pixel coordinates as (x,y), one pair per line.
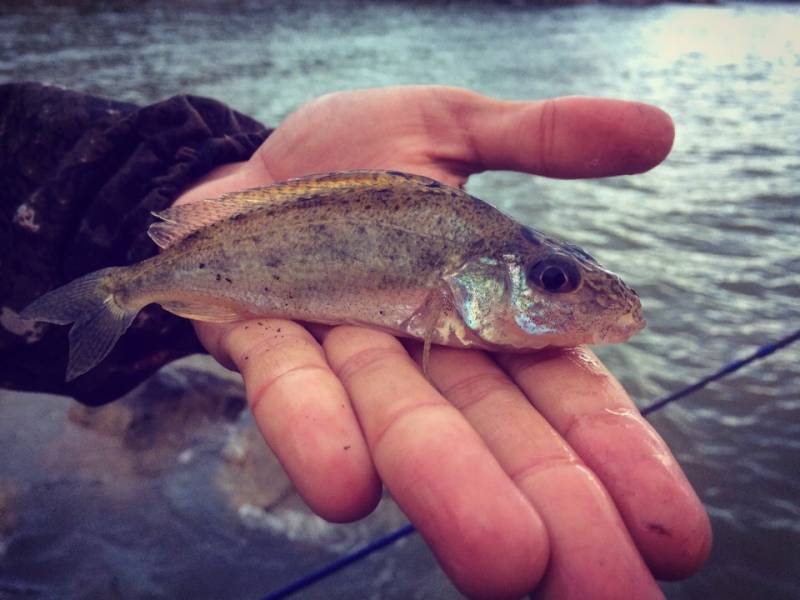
(486,536)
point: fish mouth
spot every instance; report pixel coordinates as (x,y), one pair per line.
(625,327)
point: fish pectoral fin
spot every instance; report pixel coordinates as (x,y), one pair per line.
(437,304)
(426,352)
(199,311)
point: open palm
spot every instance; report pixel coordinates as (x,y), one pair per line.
(521,472)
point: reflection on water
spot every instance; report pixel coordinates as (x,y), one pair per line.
(709,239)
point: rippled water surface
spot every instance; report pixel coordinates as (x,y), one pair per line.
(709,239)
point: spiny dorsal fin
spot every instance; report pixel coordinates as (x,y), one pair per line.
(180,221)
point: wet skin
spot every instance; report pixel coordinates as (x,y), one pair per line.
(524,473)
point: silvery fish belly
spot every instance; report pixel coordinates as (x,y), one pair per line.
(398,252)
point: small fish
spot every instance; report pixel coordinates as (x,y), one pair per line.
(398,252)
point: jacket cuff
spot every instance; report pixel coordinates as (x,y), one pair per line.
(87,206)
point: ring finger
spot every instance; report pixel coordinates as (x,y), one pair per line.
(592,554)
(486,536)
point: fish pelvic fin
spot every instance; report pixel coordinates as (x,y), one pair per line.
(425,321)
(99,320)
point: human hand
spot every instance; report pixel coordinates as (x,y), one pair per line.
(526,472)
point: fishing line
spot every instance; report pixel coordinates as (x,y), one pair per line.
(408,529)
(341,563)
(762,352)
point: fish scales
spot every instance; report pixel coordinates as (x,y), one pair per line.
(399,252)
(316,258)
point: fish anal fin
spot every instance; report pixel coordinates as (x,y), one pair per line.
(202,311)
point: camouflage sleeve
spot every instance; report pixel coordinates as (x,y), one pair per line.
(79,176)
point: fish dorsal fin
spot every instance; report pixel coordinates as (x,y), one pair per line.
(180,221)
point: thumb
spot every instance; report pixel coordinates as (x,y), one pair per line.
(571,137)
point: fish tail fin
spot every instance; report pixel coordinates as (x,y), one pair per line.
(99,319)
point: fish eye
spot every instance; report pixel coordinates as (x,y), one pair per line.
(555,274)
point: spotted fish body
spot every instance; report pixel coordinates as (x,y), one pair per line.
(388,250)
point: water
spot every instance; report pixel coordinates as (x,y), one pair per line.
(709,239)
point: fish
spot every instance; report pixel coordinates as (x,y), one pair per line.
(388,250)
